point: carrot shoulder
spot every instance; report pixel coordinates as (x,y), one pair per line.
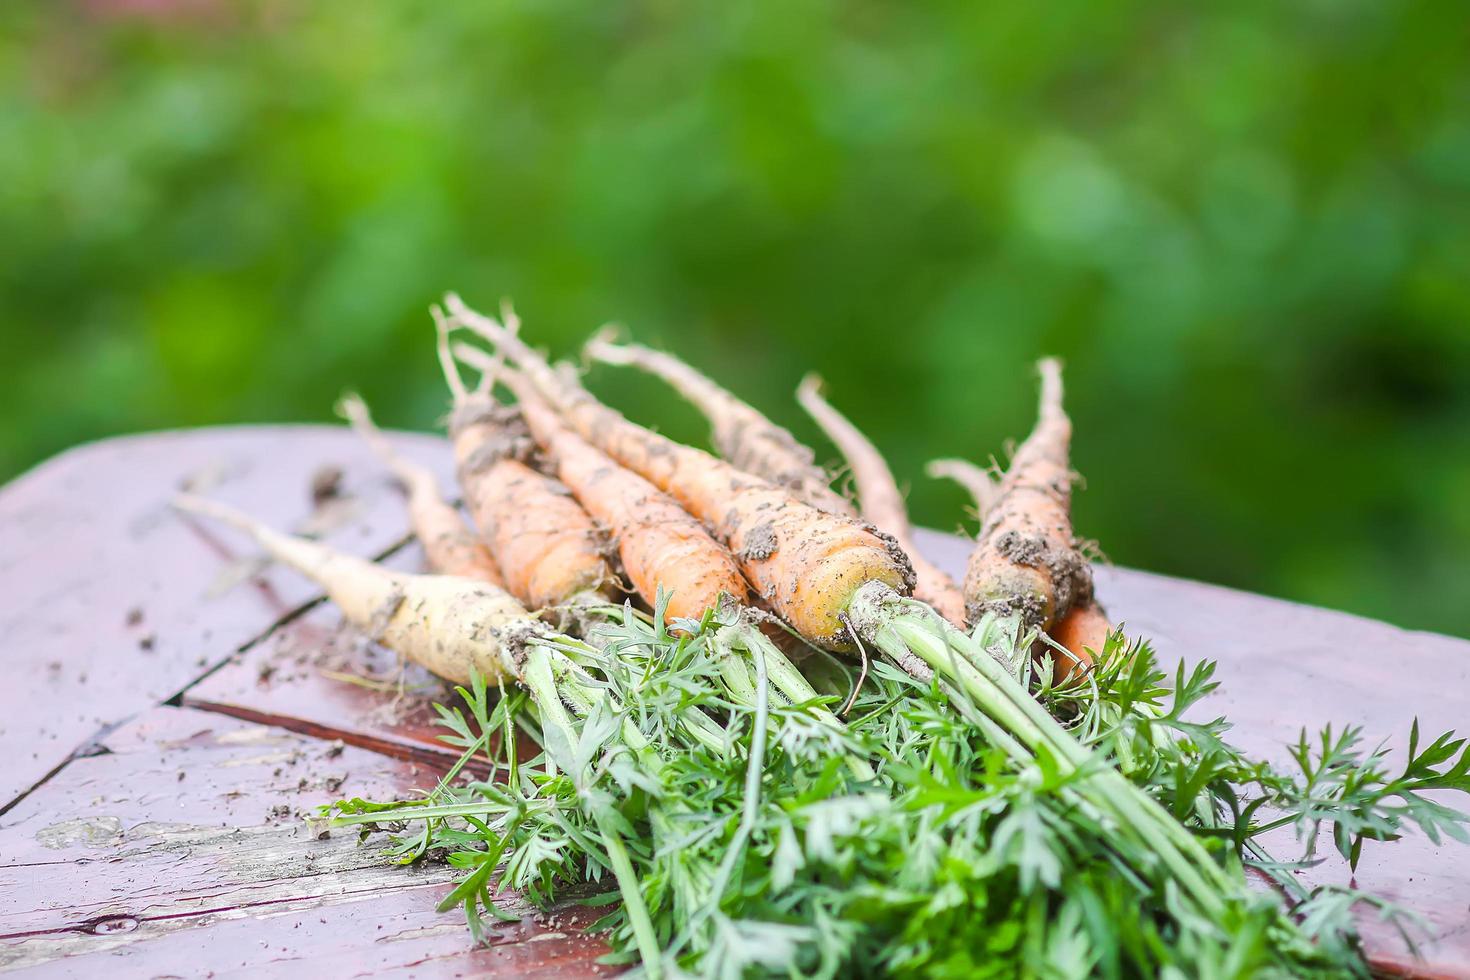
(741,434)
(806,563)
(661,545)
(881,502)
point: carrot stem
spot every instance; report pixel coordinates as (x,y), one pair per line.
(787,679)
(898,627)
(754,771)
(539,678)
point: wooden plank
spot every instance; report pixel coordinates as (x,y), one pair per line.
(102,615)
(317,675)
(383,933)
(184,847)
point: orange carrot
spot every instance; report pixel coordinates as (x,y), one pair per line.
(1084,628)
(882,503)
(769,625)
(451,625)
(546,546)
(1026,561)
(807,563)
(660,544)
(741,434)
(449,545)
(1082,632)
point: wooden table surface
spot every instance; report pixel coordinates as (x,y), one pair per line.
(174,715)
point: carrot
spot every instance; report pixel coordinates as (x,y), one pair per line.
(769,625)
(451,625)
(660,544)
(881,502)
(741,434)
(807,563)
(450,547)
(546,546)
(1082,632)
(1084,628)
(1025,560)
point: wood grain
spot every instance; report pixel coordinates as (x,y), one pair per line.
(103,584)
(189,844)
(317,675)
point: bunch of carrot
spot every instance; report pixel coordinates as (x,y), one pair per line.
(584,523)
(575,507)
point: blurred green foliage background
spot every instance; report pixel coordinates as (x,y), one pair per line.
(1245,225)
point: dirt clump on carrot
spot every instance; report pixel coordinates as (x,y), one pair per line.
(880,500)
(814,561)
(742,435)
(760,543)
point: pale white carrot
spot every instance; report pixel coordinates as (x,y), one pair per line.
(450,625)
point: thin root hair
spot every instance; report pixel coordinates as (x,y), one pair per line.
(443,326)
(862,676)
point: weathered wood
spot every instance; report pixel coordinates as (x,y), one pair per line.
(103,584)
(317,675)
(385,933)
(187,846)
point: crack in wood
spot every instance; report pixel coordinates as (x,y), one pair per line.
(408,751)
(92,745)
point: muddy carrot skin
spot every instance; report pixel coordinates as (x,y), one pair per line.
(1084,628)
(548,549)
(1026,561)
(450,546)
(661,545)
(881,503)
(740,433)
(806,563)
